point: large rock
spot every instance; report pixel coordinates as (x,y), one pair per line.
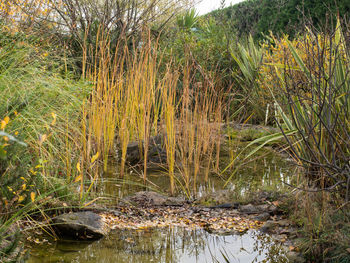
(249,209)
(80,226)
(262,217)
(216,198)
(269,226)
(258,209)
(156,152)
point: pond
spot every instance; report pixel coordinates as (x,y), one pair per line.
(176,244)
(168,245)
(266,173)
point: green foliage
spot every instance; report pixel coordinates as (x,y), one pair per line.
(11,251)
(44,108)
(258,17)
(249,58)
(188,21)
(203,42)
(320,113)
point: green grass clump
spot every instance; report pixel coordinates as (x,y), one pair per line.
(43,107)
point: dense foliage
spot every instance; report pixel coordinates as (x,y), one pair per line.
(259,17)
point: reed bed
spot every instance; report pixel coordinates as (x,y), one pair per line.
(136,97)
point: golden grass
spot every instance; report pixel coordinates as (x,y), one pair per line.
(133,95)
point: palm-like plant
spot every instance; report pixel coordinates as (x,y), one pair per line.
(319,109)
(188,20)
(249,59)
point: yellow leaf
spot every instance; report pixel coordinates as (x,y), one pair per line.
(78,167)
(275,203)
(32,196)
(20,198)
(6,139)
(24,186)
(79,178)
(16,133)
(94,158)
(38,166)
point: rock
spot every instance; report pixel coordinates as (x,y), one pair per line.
(283,223)
(262,217)
(267,208)
(174,201)
(226,206)
(273,210)
(133,153)
(156,153)
(249,209)
(269,226)
(217,198)
(146,198)
(149,198)
(80,226)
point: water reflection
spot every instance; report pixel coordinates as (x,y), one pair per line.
(268,172)
(168,245)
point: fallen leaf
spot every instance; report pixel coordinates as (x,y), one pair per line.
(275,203)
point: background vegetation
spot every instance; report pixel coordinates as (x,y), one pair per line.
(259,17)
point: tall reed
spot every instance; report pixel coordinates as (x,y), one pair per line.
(136,97)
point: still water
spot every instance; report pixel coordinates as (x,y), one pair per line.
(168,245)
(176,244)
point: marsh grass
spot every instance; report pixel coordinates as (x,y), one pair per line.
(135,97)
